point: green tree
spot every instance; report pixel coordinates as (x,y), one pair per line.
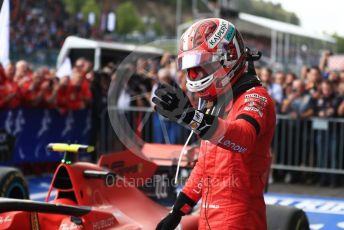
(91,6)
(73,6)
(339,43)
(83,6)
(128,18)
(157,28)
(268,10)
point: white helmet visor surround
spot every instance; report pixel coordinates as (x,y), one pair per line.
(200,67)
(193,59)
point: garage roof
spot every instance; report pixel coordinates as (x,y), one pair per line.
(282,27)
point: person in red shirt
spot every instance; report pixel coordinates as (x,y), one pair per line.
(9,90)
(3,88)
(10,71)
(78,92)
(49,92)
(235,120)
(32,95)
(62,95)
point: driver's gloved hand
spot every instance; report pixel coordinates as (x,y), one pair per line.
(182,206)
(172,103)
(170,222)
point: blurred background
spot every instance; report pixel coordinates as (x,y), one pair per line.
(59,57)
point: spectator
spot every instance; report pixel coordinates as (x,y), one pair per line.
(49,94)
(328,101)
(9,89)
(341,76)
(304,73)
(333,77)
(323,62)
(78,91)
(280,78)
(288,85)
(274,89)
(140,86)
(10,71)
(3,88)
(165,131)
(340,110)
(32,96)
(298,104)
(165,60)
(326,153)
(22,73)
(62,95)
(84,67)
(312,81)
(152,72)
(124,100)
(290,77)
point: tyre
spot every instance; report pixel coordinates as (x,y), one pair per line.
(13,183)
(286,218)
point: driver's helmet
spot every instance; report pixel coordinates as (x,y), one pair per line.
(212,53)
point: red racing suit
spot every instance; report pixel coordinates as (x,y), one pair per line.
(233,165)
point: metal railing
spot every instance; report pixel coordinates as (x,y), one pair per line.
(314,145)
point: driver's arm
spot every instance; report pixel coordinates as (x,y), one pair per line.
(251,117)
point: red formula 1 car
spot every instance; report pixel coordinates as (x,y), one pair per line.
(89,196)
(106,195)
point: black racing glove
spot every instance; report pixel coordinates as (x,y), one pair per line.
(182,206)
(172,103)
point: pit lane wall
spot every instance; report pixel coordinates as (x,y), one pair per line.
(25,133)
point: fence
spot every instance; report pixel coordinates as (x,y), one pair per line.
(314,145)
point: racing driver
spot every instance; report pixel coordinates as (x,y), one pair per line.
(235,119)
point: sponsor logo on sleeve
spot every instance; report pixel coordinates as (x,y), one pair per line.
(232,145)
(254,109)
(256,96)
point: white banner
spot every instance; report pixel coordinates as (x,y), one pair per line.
(5,33)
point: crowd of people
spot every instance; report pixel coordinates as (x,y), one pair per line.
(20,86)
(45,25)
(315,92)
